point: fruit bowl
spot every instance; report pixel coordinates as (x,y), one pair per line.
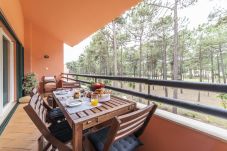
(96,86)
(104,97)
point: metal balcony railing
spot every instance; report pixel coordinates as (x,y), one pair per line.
(222,88)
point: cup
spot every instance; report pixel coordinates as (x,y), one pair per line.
(94,100)
(76,94)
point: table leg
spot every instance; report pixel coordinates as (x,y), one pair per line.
(77,137)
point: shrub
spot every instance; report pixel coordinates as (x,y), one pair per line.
(223,98)
(29,82)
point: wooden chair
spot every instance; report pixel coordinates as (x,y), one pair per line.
(54,115)
(34,91)
(123,133)
(37,112)
(69,83)
(49,84)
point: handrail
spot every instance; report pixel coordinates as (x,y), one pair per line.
(170,101)
(168,83)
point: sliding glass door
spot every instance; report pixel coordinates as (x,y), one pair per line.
(7,73)
(11,68)
(6,84)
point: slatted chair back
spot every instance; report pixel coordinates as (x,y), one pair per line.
(41,110)
(132,123)
(69,84)
(34,91)
(34,99)
(37,112)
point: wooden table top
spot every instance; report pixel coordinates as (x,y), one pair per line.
(91,117)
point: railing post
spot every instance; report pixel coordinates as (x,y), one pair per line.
(95,80)
(148,92)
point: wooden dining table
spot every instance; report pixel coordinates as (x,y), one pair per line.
(86,119)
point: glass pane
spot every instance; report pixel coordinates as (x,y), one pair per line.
(5,71)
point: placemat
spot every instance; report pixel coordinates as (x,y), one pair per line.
(84,106)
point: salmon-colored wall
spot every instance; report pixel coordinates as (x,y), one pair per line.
(38,43)
(13,13)
(164,135)
(27,46)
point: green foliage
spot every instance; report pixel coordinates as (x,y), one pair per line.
(107,82)
(223,98)
(72,66)
(29,82)
(132,85)
(144,44)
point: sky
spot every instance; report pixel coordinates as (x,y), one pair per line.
(73,53)
(196,13)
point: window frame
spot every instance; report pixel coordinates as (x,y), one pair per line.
(11,71)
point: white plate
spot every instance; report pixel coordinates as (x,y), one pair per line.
(73,103)
(61,93)
(78,100)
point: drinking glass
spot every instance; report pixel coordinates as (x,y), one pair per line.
(94,99)
(76,94)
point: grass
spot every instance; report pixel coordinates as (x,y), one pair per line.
(206,98)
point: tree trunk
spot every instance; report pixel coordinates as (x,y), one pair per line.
(190,73)
(100,66)
(175,52)
(200,65)
(140,62)
(218,64)
(181,67)
(222,63)
(134,71)
(114,50)
(164,64)
(121,67)
(148,66)
(198,97)
(212,65)
(200,70)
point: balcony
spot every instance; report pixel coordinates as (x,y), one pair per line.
(163,131)
(32,34)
